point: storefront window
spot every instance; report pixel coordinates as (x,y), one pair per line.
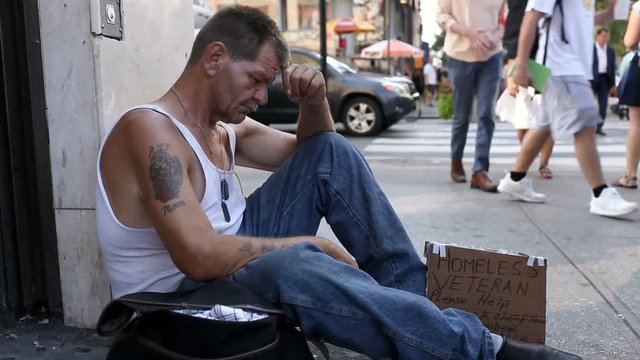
(308,16)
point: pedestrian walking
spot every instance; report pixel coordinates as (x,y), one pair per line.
(568,106)
(474,46)
(431,81)
(523,120)
(604,74)
(629,94)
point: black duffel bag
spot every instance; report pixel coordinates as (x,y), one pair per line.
(148,329)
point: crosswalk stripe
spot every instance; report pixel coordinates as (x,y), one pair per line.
(446,126)
(447,134)
(500,149)
(430,141)
(496,141)
(507,161)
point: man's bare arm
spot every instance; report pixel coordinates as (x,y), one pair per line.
(528,30)
(306,86)
(314,118)
(161,159)
(264,148)
(261,147)
(512,87)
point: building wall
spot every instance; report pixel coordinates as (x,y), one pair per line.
(302,17)
(89,81)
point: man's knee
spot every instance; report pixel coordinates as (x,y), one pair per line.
(332,150)
(330,139)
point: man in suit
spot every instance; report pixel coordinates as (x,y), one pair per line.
(604,78)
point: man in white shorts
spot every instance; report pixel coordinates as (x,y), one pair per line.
(568,107)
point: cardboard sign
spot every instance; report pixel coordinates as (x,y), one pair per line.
(507,291)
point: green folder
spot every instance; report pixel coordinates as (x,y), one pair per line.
(539,74)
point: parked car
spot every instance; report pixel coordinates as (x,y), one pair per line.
(366,103)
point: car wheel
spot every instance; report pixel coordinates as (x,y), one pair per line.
(362,117)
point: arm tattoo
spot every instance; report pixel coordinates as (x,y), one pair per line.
(171,207)
(267,246)
(247,247)
(165,171)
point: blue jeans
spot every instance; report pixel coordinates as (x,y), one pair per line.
(380,309)
(474,78)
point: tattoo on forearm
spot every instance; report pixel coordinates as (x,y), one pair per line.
(170,208)
(247,247)
(267,246)
(165,171)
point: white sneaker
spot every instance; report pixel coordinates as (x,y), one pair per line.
(610,203)
(520,190)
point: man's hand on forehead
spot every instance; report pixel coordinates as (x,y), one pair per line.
(282,69)
(304,84)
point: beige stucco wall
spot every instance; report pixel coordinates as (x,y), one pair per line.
(89,81)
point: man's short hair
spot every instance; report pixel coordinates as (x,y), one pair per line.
(601,30)
(243,30)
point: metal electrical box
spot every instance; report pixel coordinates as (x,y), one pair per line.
(111,18)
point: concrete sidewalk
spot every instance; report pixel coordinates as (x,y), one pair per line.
(593,290)
(593,280)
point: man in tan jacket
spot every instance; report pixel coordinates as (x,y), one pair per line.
(474,47)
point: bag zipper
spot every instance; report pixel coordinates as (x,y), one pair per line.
(185,305)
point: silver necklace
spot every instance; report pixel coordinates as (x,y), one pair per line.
(224,185)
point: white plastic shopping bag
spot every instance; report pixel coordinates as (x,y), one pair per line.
(506,106)
(520,110)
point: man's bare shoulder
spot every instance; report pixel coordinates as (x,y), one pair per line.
(138,131)
(144,123)
(249,128)
(127,158)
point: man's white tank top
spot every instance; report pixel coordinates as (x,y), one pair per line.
(136,259)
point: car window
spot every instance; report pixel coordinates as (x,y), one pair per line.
(297,58)
(340,66)
(335,65)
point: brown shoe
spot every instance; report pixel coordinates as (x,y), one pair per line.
(481,181)
(457,172)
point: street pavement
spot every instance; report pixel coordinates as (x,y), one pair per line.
(593,279)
